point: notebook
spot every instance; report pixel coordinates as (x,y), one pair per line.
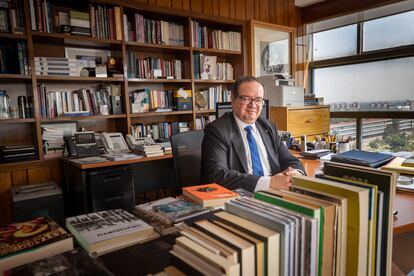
(363,158)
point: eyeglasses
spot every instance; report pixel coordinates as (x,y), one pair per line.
(247,100)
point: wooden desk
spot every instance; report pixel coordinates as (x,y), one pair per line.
(403,203)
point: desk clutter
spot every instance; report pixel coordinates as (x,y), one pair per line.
(338,223)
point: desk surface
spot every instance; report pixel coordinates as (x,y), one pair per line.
(403,203)
(115,163)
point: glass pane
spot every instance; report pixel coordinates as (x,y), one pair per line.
(388,32)
(385,85)
(335,43)
(388,135)
(344,128)
(272,52)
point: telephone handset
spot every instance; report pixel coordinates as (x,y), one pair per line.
(114,142)
(134,143)
(82,144)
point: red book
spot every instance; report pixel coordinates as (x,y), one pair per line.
(209,195)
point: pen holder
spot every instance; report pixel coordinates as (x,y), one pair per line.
(343,147)
(333,146)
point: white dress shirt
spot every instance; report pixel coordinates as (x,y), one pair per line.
(264,181)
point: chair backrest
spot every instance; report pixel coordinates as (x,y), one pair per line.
(186,148)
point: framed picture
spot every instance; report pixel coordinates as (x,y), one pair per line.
(98,55)
(271,49)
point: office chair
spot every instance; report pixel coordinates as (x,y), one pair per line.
(186,149)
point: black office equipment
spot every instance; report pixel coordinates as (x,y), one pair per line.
(111,189)
(224,107)
(82,144)
(42,199)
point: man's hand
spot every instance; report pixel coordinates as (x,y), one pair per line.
(283,180)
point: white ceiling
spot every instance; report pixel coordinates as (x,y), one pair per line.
(305,3)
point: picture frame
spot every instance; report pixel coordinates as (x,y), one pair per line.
(271,49)
(98,55)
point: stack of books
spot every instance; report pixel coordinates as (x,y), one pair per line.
(52,66)
(329,225)
(29,241)
(53,142)
(147,150)
(79,23)
(110,230)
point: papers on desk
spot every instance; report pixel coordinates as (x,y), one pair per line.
(89,160)
(121,156)
(405,183)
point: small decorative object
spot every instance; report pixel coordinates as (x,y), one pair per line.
(199,99)
(101,71)
(114,66)
(272,49)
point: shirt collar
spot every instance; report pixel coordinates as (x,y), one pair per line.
(242,124)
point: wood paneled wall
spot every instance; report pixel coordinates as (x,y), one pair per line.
(281,12)
(24,174)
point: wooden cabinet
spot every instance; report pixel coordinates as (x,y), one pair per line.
(309,120)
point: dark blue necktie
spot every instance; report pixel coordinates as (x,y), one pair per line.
(254,152)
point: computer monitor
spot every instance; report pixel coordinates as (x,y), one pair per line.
(222,108)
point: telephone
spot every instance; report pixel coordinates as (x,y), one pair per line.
(114,142)
(82,144)
(134,143)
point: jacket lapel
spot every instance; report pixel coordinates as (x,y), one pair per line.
(270,149)
(237,142)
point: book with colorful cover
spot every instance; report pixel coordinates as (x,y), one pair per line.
(28,241)
(209,195)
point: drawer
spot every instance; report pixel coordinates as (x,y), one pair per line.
(308,121)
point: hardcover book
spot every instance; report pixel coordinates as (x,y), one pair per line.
(105,231)
(29,241)
(209,195)
(73,262)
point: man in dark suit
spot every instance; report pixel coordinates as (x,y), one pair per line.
(243,150)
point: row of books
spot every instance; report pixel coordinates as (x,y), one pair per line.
(81,102)
(329,225)
(140,29)
(11,16)
(145,100)
(99,21)
(9,54)
(52,66)
(152,68)
(215,94)
(204,37)
(201,122)
(159,131)
(207,68)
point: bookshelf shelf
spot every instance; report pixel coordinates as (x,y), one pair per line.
(152,114)
(213,81)
(68,38)
(17,121)
(77,118)
(206,111)
(85,79)
(156,46)
(13,36)
(14,77)
(160,80)
(216,51)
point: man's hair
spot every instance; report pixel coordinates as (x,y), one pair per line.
(236,85)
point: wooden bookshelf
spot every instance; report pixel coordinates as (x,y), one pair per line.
(53,44)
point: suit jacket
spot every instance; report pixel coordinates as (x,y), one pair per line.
(223,156)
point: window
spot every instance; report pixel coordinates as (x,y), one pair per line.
(334,43)
(388,32)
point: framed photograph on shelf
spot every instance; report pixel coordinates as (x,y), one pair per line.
(271,49)
(98,55)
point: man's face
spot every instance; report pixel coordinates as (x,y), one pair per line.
(248,112)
